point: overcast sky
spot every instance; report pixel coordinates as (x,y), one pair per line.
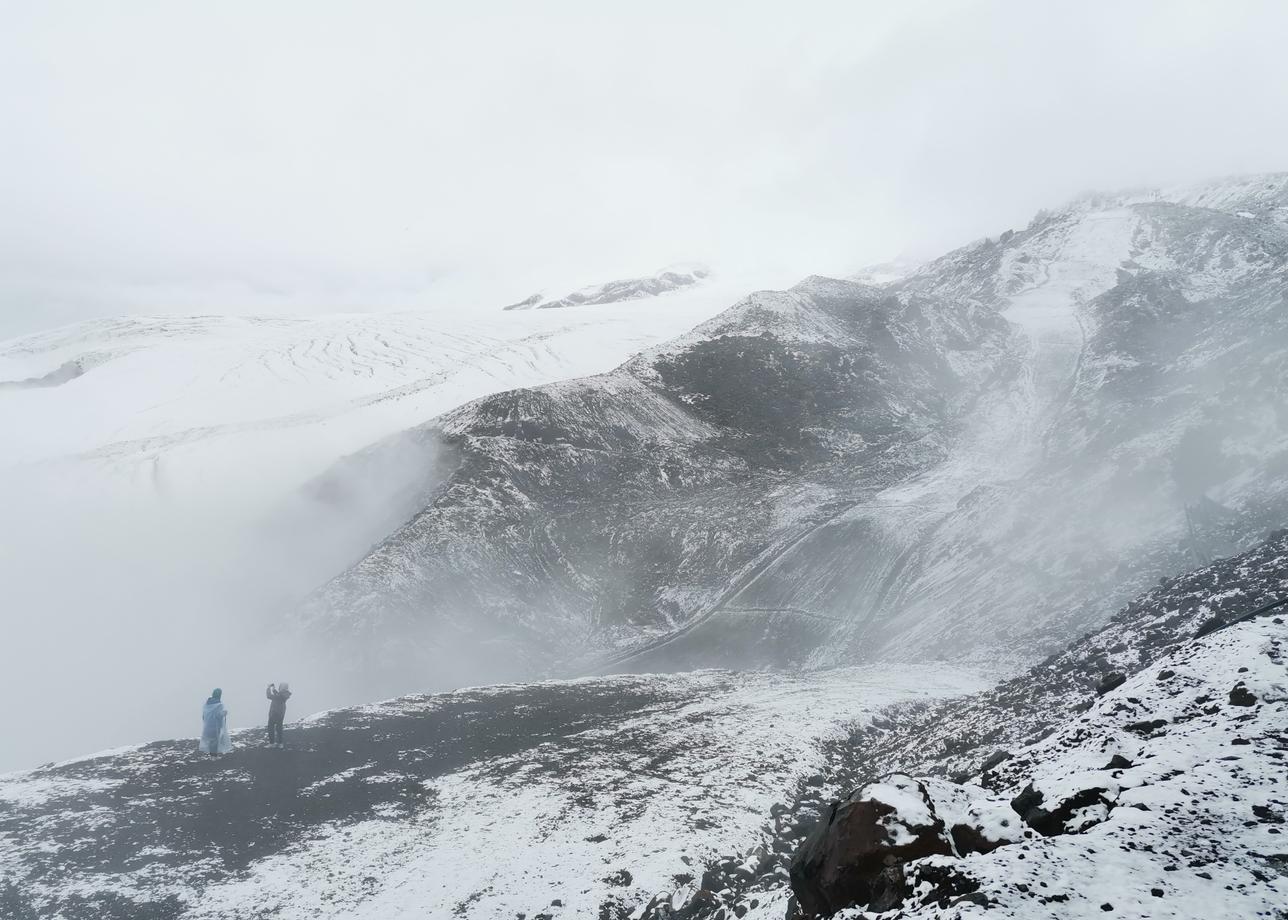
(314,156)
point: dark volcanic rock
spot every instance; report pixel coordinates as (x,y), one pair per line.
(1210,626)
(1242,696)
(1026,801)
(970,839)
(1111,682)
(888,889)
(948,885)
(1145,726)
(842,862)
(1051,820)
(1267,814)
(997,757)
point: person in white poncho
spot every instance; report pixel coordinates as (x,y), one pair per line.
(214,726)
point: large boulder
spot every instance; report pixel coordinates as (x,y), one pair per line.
(878,827)
(855,855)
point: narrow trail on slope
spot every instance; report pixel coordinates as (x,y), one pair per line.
(742,581)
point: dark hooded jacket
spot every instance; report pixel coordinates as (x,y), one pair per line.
(277,708)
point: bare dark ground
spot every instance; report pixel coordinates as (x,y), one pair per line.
(172,807)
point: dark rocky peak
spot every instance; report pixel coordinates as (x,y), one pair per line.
(672,278)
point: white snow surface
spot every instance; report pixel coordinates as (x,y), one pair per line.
(181,403)
(1194,828)
(675,784)
(510,837)
(1049,282)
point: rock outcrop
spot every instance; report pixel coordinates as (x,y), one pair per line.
(673,278)
(845,859)
(856,853)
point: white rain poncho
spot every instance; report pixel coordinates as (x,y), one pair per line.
(214,729)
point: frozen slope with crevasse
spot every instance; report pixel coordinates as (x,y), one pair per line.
(167,401)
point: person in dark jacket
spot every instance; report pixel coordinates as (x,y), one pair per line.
(278,694)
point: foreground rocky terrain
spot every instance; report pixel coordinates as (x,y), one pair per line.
(565,799)
(1138,773)
(1043,422)
(1154,751)
(1166,798)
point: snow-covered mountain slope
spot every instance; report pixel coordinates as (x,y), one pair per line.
(1148,411)
(979,460)
(668,280)
(1202,721)
(1244,196)
(1165,799)
(683,797)
(564,799)
(600,515)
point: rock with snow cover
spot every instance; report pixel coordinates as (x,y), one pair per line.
(856,853)
(1185,819)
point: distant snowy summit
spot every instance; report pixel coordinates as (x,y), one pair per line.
(671,278)
(886,272)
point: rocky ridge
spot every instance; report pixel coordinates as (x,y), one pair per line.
(1046,421)
(667,280)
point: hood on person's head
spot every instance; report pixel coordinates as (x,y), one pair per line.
(284,687)
(216,693)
